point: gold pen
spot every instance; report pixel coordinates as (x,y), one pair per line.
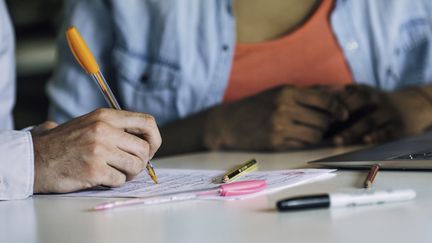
(241,170)
(87,61)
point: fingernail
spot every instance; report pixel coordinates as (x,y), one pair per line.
(338,140)
(367,139)
(344,115)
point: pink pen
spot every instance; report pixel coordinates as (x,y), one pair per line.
(225,190)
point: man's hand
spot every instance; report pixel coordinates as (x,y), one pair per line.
(373,117)
(278,119)
(105,147)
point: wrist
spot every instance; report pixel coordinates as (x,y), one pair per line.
(38,162)
(415,109)
(211,136)
(183,136)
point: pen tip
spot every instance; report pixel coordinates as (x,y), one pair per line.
(368,184)
(151,172)
(153,176)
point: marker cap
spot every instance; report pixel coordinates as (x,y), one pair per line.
(242,187)
(304,202)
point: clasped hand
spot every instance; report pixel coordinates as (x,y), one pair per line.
(292,117)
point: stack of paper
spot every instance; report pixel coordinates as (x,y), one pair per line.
(174,181)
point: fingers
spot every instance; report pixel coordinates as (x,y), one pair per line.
(303,116)
(107,161)
(286,143)
(295,135)
(390,131)
(118,148)
(358,97)
(305,134)
(311,118)
(126,163)
(322,101)
(131,144)
(139,124)
(362,127)
(123,152)
(299,137)
(109,176)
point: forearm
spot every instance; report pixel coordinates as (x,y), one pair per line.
(184,136)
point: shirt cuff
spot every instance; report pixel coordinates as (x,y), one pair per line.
(16,165)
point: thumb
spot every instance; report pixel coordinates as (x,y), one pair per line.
(48,125)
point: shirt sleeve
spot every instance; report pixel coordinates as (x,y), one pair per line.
(16,165)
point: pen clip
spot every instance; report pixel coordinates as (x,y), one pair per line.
(242,188)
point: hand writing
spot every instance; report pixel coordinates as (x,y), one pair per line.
(100,148)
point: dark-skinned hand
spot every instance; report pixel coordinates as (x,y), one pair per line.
(373,117)
(282,118)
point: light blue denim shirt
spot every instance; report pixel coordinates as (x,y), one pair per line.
(172,58)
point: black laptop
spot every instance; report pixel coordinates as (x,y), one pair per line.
(413,153)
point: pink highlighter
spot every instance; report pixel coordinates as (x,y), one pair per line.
(225,190)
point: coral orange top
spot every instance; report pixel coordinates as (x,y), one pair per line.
(308,56)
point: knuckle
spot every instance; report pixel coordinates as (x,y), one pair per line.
(118,179)
(284,93)
(101,113)
(330,102)
(276,141)
(135,167)
(95,149)
(93,172)
(316,136)
(139,167)
(158,141)
(294,145)
(50,124)
(277,123)
(150,119)
(99,127)
(285,90)
(347,135)
(144,151)
(310,135)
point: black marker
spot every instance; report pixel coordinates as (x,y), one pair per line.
(361,198)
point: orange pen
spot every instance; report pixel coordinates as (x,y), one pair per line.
(87,61)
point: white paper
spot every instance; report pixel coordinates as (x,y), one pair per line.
(175,181)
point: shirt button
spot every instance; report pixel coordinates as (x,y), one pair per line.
(352,45)
(173,83)
(225,47)
(229,8)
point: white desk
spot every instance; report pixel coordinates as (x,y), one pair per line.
(47,219)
